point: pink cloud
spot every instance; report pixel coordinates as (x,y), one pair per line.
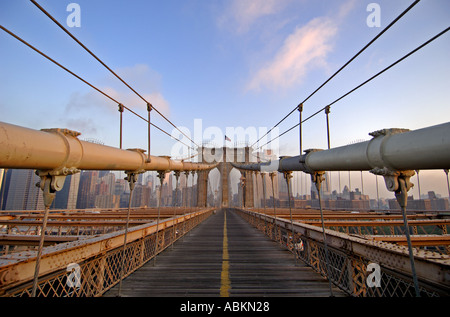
(242,14)
(305,48)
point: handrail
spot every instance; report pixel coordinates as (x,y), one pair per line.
(61,150)
(432,268)
(18,268)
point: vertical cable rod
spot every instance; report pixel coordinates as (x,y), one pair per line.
(318,181)
(288,176)
(401,194)
(125,244)
(149,109)
(272,175)
(161,175)
(177,176)
(448,183)
(39,254)
(121,125)
(300,136)
(327,112)
(264,198)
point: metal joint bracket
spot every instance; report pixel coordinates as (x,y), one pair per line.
(384,132)
(132,177)
(53,181)
(287,175)
(63,131)
(161,176)
(397,182)
(317,178)
(304,159)
(145,158)
(272,175)
(391,178)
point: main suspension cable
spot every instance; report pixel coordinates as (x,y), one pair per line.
(340,69)
(108,68)
(362,84)
(84,81)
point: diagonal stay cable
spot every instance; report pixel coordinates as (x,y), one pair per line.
(107,67)
(364,83)
(345,65)
(83,80)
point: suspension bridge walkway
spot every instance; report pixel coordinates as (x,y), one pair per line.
(207,251)
(225,256)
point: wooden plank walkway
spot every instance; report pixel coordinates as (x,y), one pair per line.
(198,266)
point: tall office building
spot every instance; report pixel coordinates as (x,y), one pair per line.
(22,192)
(67,197)
(325,188)
(86,190)
(2,187)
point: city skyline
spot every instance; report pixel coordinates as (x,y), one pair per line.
(105,189)
(229,64)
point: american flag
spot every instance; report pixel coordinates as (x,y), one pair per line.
(227,139)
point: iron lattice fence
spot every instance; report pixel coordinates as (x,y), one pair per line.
(98,274)
(347,271)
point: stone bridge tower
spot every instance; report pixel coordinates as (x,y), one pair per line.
(225,156)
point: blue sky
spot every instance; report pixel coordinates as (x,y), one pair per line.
(230,63)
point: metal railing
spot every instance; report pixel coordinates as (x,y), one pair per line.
(92,266)
(357,266)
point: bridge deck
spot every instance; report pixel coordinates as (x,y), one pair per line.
(194,266)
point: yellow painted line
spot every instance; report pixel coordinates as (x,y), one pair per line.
(225,283)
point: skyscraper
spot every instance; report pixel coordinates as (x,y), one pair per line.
(88,180)
(67,197)
(22,192)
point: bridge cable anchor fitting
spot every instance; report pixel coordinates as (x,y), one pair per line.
(149,109)
(399,183)
(51,181)
(318,177)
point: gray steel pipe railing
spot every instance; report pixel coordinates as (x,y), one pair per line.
(394,153)
(393,149)
(59,150)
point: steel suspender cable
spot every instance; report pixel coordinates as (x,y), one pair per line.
(84,81)
(39,252)
(161,176)
(101,62)
(263,174)
(364,83)
(131,179)
(275,230)
(292,238)
(327,259)
(174,206)
(149,109)
(345,65)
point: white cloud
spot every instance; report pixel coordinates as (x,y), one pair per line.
(140,77)
(146,82)
(241,15)
(95,115)
(305,48)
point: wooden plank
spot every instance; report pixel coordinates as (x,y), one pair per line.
(193,267)
(33,240)
(429,240)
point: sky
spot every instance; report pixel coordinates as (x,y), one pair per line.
(213,67)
